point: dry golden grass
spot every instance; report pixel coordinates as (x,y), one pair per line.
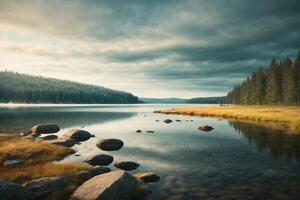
(38,156)
(279,117)
(30,172)
(32,151)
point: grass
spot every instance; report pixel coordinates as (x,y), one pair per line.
(279,117)
(33,152)
(38,157)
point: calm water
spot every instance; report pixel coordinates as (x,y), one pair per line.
(234,161)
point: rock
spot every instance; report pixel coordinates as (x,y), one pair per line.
(110,144)
(205,128)
(25,133)
(77,154)
(101,159)
(43,188)
(97,170)
(127,165)
(45,128)
(167,121)
(157,120)
(14,162)
(84,176)
(178,120)
(147,177)
(115,185)
(66,142)
(35,135)
(13,191)
(77,134)
(150,131)
(49,137)
(138,131)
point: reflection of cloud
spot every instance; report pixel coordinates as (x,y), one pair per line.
(13,119)
(153,48)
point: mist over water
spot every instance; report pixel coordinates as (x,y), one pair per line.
(234,161)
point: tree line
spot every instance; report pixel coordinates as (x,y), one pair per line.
(279,83)
(22,88)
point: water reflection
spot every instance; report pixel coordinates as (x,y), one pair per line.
(17,119)
(280,144)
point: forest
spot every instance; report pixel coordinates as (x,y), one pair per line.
(277,84)
(22,88)
(206,100)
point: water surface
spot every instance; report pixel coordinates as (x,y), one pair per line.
(234,161)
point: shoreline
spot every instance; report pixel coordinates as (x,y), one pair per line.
(286,118)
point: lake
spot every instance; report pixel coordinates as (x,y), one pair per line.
(234,161)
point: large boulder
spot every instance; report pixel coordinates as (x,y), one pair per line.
(45,128)
(110,144)
(43,188)
(115,185)
(148,177)
(66,142)
(101,159)
(127,165)
(205,128)
(77,134)
(13,191)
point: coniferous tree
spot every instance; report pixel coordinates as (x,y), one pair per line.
(288,83)
(278,84)
(297,76)
(272,91)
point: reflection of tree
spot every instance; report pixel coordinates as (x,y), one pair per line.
(17,119)
(279,143)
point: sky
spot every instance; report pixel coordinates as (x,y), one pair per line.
(151,48)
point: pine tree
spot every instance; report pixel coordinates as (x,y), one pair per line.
(273,93)
(288,83)
(297,76)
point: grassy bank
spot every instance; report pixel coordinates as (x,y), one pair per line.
(38,157)
(278,117)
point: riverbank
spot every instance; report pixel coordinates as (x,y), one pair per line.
(286,118)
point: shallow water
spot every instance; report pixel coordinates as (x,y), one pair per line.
(234,161)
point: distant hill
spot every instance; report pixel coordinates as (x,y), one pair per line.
(22,88)
(162,100)
(200,100)
(206,100)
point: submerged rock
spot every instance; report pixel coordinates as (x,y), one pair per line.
(45,128)
(138,131)
(205,128)
(14,162)
(167,121)
(101,159)
(97,170)
(66,142)
(83,176)
(115,185)
(13,191)
(127,165)
(150,131)
(43,188)
(77,134)
(49,137)
(148,177)
(110,144)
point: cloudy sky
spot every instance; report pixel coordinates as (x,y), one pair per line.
(152,48)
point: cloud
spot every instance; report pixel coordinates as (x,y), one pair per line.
(151,48)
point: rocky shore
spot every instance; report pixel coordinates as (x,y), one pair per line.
(92,180)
